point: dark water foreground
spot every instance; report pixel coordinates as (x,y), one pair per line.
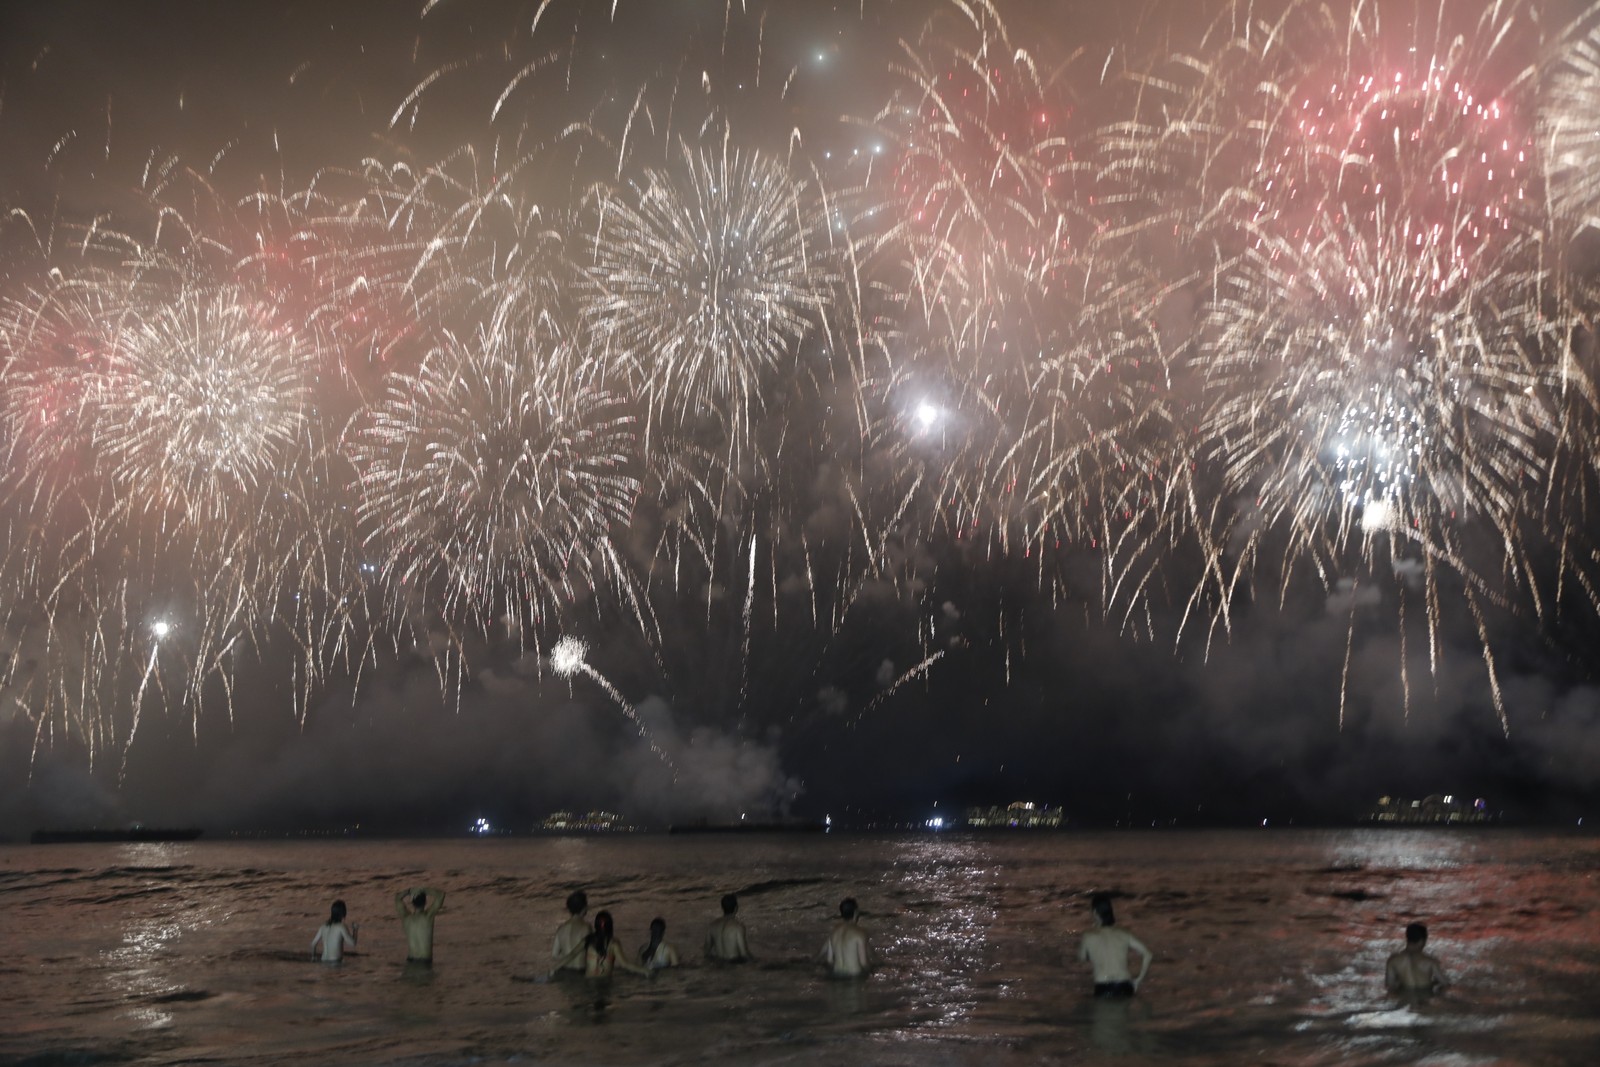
(1270,950)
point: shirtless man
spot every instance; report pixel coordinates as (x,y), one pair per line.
(725,939)
(571,934)
(845,952)
(1412,970)
(1106,948)
(416,909)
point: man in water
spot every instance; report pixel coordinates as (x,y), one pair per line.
(1106,948)
(1412,970)
(571,934)
(725,939)
(416,909)
(845,952)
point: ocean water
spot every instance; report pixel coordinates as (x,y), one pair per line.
(1269,945)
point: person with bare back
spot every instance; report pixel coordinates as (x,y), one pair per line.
(416,909)
(1106,949)
(725,938)
(1411,970)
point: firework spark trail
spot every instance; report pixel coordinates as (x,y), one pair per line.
(1569,108)
(914,672)
(1014,375)
(978,160)
(569,656)
(744,651)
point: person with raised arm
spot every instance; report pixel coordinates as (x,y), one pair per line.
(416,908)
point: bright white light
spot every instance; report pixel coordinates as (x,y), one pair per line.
(1377,516)
(161,627)
(935,823)
(482,827)
(568,656)
(927,415)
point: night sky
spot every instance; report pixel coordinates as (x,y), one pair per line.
(984,538)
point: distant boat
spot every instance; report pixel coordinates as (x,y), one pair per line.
(98,836)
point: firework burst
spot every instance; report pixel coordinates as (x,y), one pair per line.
(491,478)
(704,281)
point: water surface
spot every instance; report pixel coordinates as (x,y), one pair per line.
(1270,948)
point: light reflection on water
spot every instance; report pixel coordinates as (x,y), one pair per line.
(950,886)
(1267,945)
(1405,850)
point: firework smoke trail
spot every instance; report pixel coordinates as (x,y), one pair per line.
(703,281)
(569,656)
(491,479)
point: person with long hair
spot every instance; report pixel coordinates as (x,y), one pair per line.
(658,953)
(334,936)
(600,952)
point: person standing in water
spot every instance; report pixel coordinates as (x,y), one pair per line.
(1412,970)
(416,909)
(725,939)
(658,953)
(334,936)
(571,934)
(1106,948)
(845,953)
(599,954)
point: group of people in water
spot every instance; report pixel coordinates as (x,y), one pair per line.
(595,953)
(593,950)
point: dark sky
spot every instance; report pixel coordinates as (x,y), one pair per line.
(1307,710)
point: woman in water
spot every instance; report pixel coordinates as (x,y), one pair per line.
(334,935)
(600,952)
(658,953)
